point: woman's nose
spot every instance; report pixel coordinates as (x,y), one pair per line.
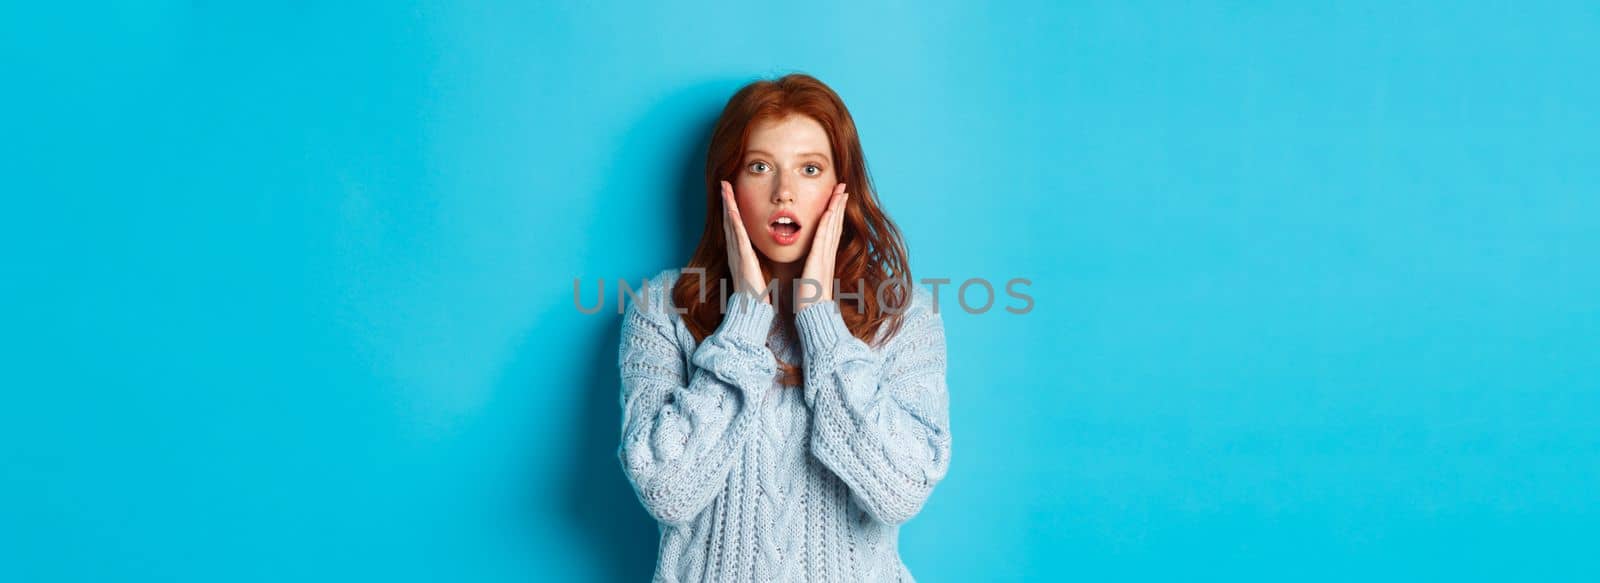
(781,191)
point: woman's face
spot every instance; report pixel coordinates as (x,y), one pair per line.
(787,171)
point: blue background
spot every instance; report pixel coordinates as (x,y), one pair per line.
(288,287)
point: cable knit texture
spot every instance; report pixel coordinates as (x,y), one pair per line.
(754,481)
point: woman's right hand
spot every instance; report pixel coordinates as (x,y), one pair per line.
(743,267)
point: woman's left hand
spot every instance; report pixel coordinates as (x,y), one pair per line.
(818,270)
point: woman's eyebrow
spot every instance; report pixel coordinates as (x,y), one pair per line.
(801,154)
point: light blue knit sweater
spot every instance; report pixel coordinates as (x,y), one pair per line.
(751,480)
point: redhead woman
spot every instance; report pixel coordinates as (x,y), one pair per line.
(784,399)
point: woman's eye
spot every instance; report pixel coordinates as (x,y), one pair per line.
(813,170)
(758,166)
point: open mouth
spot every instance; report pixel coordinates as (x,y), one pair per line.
(785,229)
(786,226)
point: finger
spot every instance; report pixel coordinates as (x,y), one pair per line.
(733,256)
(826,236)
(835,204)
(731,202)
(749,267)
(738,231)
(831,247)
(729,218)
(740,237)
(831,223)
(844,208)
(838,223)
(836,218)
(819,240)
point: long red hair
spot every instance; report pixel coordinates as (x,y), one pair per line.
(871,249)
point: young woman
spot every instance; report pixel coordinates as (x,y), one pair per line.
(784,399)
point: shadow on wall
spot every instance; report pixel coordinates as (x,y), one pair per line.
(601,503)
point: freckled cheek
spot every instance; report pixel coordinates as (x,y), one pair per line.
(814,215)
(754,225)
(748,199)
(746,202)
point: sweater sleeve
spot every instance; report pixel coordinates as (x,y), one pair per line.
(682,430)
(881,423)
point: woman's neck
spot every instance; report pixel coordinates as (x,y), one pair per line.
(785,274)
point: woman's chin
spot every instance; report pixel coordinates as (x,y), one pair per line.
(788,256)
